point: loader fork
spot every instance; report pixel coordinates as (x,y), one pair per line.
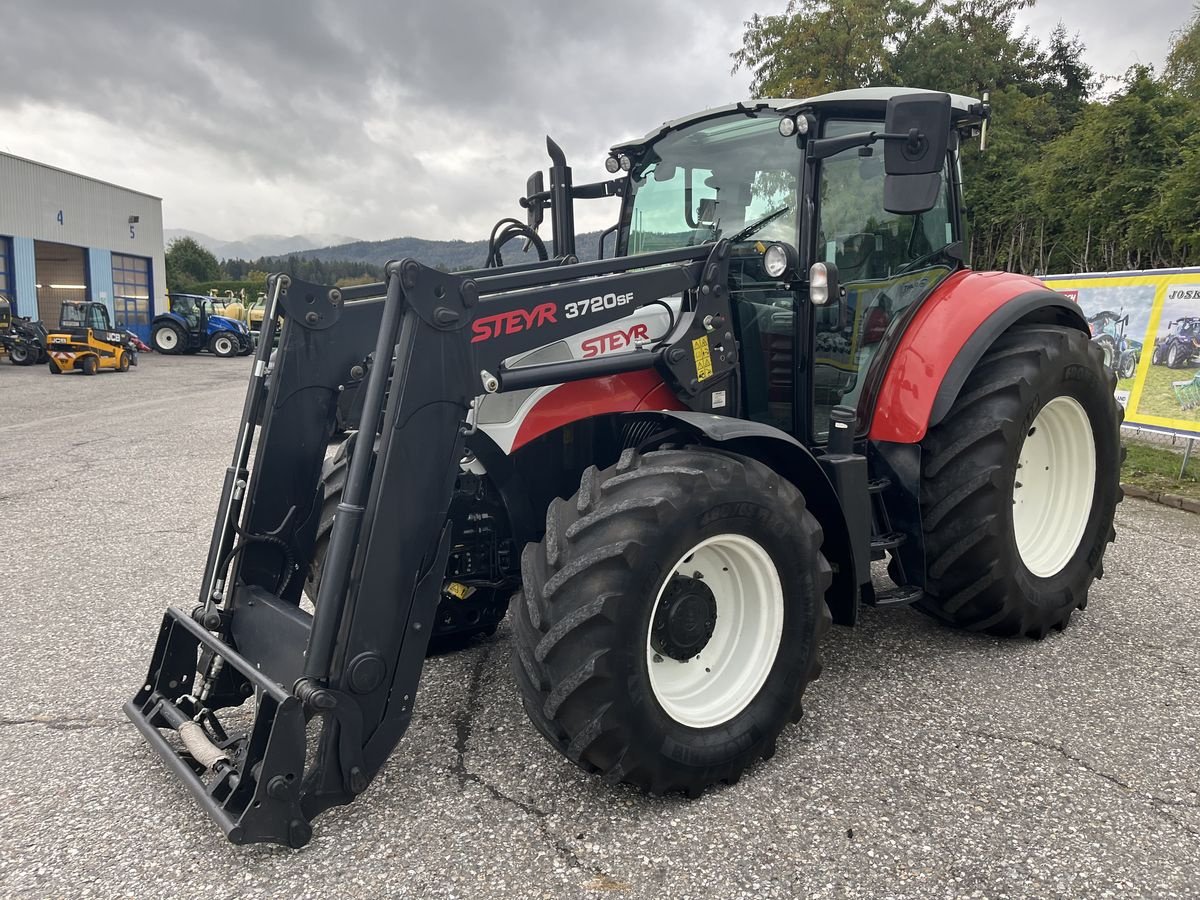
(352,666)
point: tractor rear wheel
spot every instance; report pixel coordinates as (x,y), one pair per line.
(1175,356)
(1020,484)
(669,621)
(168,339)
(89,365)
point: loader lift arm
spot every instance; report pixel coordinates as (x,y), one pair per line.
(355,663)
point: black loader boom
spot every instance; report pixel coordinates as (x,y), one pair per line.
(353,666)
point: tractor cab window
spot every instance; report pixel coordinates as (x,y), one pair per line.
(886,262)
(188,308)
(716,179)
(711,180)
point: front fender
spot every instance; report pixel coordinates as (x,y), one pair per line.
(947,337)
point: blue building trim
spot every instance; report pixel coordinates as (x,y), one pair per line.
(100,277)
(25,277)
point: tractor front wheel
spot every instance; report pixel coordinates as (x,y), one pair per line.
(168,339)
(1175,356)
(223,345)
(669,621)
(1021,482)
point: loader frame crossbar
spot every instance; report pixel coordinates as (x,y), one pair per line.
(352,667)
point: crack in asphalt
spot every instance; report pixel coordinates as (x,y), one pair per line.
(1156,802)
(65,724)
(464,727)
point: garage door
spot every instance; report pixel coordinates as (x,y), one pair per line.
(131,294)
(61,276)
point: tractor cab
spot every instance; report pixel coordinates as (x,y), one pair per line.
(860,226)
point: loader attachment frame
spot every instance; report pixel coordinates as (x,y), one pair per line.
(323,698)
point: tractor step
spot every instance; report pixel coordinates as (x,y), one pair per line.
(889,541)
(906,595)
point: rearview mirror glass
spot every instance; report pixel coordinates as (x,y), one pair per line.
(928,115)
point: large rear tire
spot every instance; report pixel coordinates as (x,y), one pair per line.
(1020,485)
(669,621)
(20,355)
(168,339)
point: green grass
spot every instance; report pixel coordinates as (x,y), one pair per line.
(1158,396)
(1157,469)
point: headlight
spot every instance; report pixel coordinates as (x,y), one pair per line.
(778,260)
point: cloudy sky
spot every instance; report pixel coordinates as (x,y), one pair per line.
(390,117)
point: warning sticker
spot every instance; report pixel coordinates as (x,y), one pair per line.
(703,358)
(461,591)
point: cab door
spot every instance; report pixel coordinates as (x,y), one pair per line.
(886,263)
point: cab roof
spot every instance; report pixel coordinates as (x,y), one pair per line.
(859,101)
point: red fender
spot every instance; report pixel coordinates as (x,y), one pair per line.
(578,400)
(967,305)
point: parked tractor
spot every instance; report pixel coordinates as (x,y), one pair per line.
(22,340)
(646,454)
(85,341)
(194,324)
(1180,346)
(1121,354)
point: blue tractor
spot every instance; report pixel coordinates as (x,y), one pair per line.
(193,324)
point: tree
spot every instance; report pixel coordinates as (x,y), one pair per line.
(1183,62)
(815,46)
(188,263)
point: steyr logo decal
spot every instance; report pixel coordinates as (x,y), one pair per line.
(512,322)
(614,340)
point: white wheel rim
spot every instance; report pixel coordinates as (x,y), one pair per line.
(165,338)
(1054,486)
(223,345)
(721,680)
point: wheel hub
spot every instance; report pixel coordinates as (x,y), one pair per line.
(685,619)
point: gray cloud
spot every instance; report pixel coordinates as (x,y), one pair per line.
(372,118)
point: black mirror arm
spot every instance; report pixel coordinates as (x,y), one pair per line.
(823,148)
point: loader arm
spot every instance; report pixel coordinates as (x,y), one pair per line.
(353,666)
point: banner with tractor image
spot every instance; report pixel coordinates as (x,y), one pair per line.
(1148,326)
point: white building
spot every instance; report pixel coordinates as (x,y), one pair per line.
(68,237)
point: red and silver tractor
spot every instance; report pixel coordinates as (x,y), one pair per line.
(679,462)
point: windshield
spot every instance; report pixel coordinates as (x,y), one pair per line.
(712,180)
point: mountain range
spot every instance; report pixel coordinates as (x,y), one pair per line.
(257,245)
(448,255)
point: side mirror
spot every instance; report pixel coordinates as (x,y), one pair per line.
(535,213)
(914,166)
(925,118)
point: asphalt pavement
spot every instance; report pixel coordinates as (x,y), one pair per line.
(929,763)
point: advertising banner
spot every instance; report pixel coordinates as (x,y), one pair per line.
(1148,326)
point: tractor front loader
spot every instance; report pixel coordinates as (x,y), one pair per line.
(679,462)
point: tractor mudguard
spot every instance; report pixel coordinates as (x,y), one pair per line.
(947,336)
(850,557)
